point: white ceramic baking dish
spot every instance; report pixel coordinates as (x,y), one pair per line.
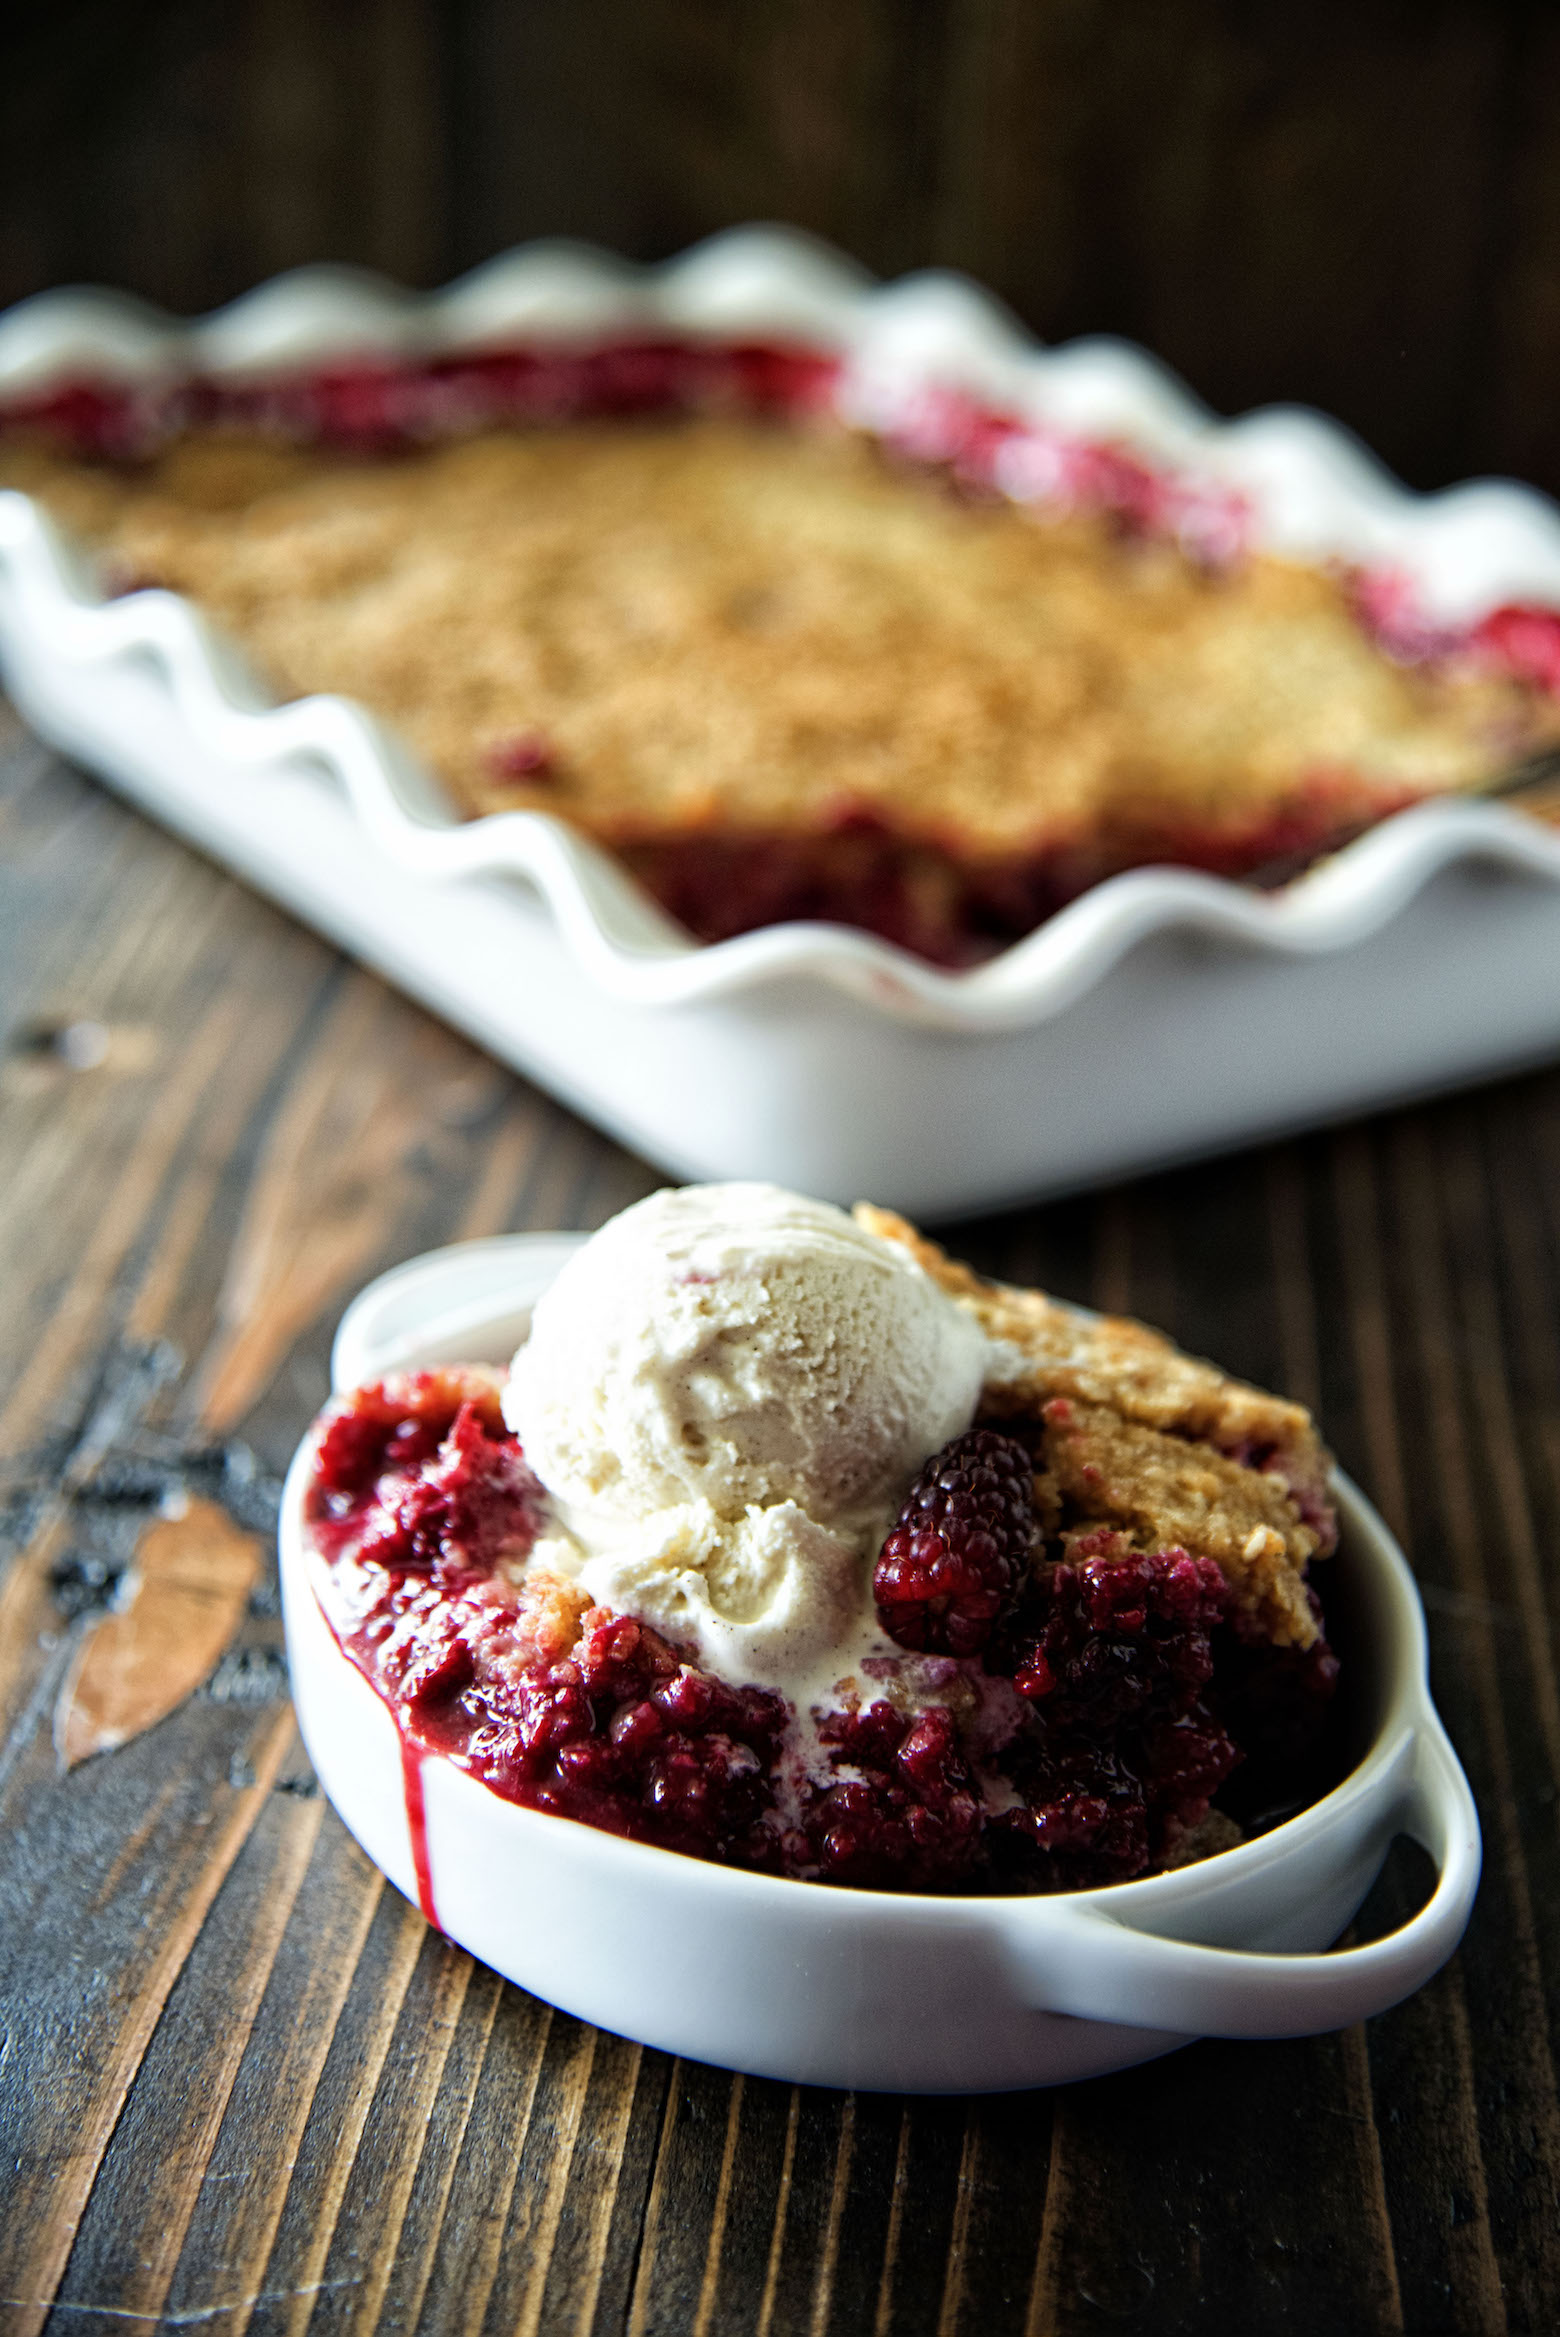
(852,1988)
(1163,1015)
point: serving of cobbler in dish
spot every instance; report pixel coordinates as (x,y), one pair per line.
(933,681)
(792,1544)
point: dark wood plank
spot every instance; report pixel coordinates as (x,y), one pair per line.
(247,2089)
(72,2064)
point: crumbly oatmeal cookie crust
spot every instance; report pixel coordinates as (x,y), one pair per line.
(1164,1447)
(715,629)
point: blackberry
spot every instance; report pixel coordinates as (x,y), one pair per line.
(953,1564)
(904,1815)
(1120,1633)
(1114,1656)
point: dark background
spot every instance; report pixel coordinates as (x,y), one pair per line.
(1350,202)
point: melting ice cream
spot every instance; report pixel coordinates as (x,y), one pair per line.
(726,1392)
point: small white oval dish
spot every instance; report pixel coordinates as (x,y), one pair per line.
(885,1992)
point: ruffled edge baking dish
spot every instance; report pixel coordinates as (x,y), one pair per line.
(1312,493)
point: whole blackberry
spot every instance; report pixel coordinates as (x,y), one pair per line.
(960,1550)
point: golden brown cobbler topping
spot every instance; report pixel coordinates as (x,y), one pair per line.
(1145,1439)
(717,626)
(1164,1492)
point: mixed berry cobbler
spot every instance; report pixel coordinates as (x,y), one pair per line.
(933,682)
(1084,1645)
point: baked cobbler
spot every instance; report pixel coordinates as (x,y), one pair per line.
(933,683)
(693,1575)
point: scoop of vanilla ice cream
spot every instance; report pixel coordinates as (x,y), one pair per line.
(737,1344)
(725,1392)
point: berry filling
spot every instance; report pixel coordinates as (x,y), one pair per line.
(905,1814)
(1038,1723)
(424,1513)
(1114,1655)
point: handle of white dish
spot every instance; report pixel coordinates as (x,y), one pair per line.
(1096,1967)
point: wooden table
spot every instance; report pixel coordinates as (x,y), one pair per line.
(243,2087)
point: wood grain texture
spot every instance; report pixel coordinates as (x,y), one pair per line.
(243,2088)
(184,1593)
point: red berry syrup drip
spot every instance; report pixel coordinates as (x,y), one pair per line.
(417,1826)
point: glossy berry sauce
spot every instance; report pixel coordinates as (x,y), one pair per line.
(1027,1726)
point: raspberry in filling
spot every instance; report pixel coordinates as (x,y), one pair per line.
(905,1813)
(411,1484)
(422,1514)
